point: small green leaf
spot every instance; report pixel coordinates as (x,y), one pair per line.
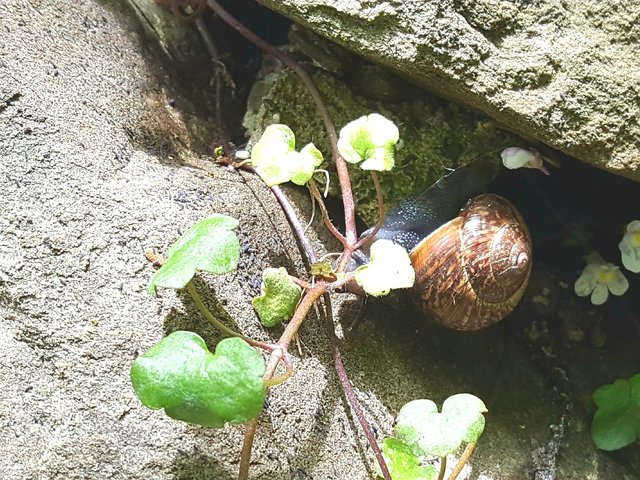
(210,245)
(182,376)
(427,432)
(402,463)
(304,164)
(616,423)
(322,269)
(279,297)
(370,140)
(276,139)
(274,173)
(389,268)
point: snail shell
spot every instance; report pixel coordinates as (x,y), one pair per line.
(472,271)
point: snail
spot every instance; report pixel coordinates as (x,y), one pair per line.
(472,266)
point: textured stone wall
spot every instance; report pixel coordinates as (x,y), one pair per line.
(565,73)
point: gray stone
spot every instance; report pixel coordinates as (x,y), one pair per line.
(97,167)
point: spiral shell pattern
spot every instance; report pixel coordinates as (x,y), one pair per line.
(472,271)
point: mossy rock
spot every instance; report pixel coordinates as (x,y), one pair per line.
(435,135)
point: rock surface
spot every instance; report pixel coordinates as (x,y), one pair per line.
(564,73)
(97,166)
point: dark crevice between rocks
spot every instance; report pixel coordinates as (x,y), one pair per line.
(181,118)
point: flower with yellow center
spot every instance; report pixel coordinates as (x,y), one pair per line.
(630,247)
(599,278)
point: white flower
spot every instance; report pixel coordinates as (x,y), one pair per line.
(599,278)
(630,247)
(389,268)
(516,157)
(369,139)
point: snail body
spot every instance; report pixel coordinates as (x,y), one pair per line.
(472,264)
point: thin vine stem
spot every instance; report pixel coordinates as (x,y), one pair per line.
(382,212)
(464,458)
(273,381)
(325,215)
(221,326)
(301,283)
(443,467)
(252,426)
(295,223)
(247,445)
(338,284)
(305,305)
(341,166)
(350,239)
(348,388)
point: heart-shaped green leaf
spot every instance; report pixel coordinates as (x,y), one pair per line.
(469,409)
(616,423)
(427,432)
(402,463)
(369,139)
(182,376)
(210,245)
(279,298)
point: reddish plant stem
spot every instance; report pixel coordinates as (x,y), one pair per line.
(301,283)
(298,228)
(338,284)
(341,166)
(464,458)
(443,467)
(307,302)
(247,445)
(350,240)
(366,239)
(382,213)
(344,258)
(348,388)
(303,308)
(273,381)
(325,215)
(300,314)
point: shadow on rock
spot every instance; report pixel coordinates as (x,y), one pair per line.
(196,465)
